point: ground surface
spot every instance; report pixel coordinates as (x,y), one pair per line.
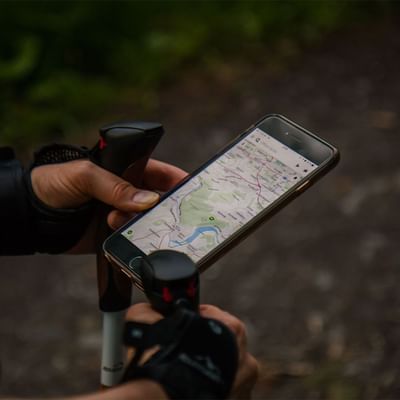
(317,285)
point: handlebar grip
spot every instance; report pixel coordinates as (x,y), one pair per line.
(122,145)
(170,281)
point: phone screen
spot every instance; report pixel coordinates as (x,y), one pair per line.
(223,197)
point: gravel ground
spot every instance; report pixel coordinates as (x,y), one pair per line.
(317,285)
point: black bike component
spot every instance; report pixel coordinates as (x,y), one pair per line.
(170,280)
(123,146)
(123,143)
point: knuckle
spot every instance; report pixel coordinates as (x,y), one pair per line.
(237,327)
(250,370)
(84,167)
(119,189)
(208,309)
(84,170)
(253,365)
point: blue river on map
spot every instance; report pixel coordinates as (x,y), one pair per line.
(198,231)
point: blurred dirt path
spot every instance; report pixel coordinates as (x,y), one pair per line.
(317,285)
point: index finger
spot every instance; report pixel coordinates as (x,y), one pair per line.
(143,312)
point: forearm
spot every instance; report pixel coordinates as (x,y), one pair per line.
(137,390)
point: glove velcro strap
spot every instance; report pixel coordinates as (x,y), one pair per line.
(57,229)
(164,332)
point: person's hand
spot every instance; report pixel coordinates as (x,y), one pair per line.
(248,369)
(72,184)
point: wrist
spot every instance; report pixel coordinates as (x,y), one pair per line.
(142,389)
(56,230)
(145,389)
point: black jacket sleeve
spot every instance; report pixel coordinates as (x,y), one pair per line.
(27,224)
(15,215)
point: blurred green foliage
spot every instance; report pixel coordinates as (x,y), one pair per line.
(62,63)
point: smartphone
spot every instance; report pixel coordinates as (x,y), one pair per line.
(225,199)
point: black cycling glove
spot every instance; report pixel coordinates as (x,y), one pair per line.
(198,357)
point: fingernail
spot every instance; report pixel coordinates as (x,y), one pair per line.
(145,197)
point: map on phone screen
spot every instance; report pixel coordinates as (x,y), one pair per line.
(222,198)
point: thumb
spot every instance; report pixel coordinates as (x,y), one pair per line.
(118,193)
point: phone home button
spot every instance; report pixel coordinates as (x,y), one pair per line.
(134,264)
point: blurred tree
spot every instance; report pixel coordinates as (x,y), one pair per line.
(65,62)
